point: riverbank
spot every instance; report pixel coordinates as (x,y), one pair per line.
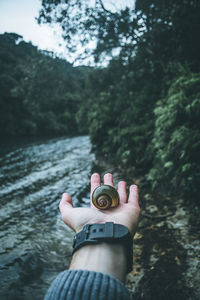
(166,251)
(166,258)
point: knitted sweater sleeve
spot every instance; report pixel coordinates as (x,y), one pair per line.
(86,285)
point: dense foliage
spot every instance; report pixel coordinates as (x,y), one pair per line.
(160,29)
(40,94)
(143,109)
(176,140)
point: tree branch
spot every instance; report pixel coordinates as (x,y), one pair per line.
(103,7)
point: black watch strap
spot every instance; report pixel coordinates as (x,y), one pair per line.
(108,232)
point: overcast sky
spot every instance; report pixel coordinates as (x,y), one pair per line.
(19,16)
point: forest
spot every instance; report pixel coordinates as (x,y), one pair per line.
(129,104)
(40,93)
(142,109)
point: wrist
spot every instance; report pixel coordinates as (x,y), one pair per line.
(103,257)
(106,247)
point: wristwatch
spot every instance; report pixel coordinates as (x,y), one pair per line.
(108,232)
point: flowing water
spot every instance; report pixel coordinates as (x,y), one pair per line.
(34,243)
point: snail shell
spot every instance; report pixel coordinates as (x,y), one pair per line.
(105,197)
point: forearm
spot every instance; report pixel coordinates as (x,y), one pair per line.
(103,257)
(97,271)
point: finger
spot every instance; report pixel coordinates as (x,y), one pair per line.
(67,210)
(133,195)
(65,201)
(65,206)
(122,191)
(108,179)
(95,182)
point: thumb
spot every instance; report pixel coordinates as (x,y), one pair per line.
(65,203)
(66,207)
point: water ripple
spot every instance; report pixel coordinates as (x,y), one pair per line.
(34,243)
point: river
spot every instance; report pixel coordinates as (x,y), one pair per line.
(35,245)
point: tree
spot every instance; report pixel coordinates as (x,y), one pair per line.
(146,28)
(124,111)
(83,22)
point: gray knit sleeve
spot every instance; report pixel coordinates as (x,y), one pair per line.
(86,285)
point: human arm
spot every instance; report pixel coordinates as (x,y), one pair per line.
(103,257)
(97,271)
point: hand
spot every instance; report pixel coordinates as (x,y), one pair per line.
(127,213)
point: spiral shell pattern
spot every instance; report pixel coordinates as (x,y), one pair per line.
(105,197)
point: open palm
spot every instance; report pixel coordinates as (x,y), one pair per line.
(127,213)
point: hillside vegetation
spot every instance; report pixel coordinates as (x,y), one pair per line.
(142,110)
